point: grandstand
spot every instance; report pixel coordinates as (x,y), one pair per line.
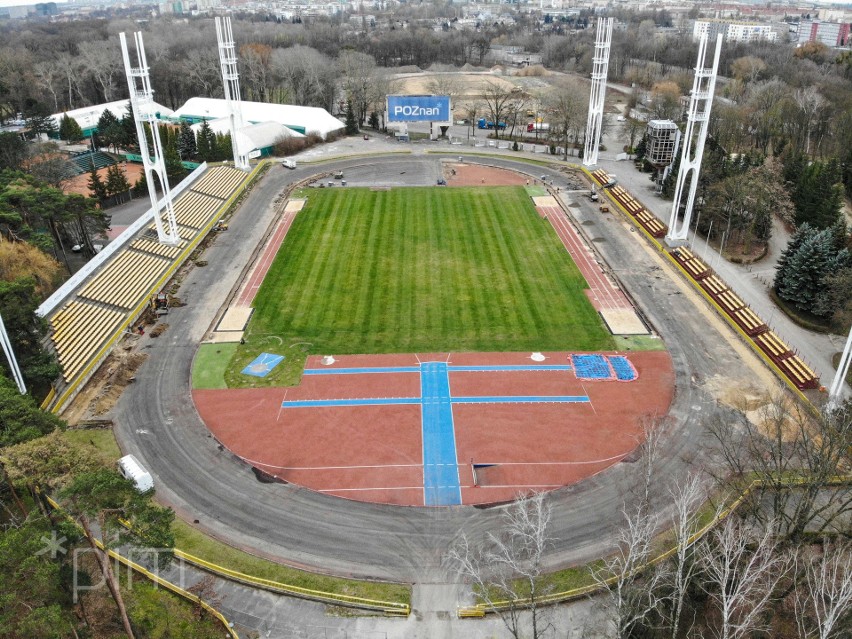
(776,351)
(115,294)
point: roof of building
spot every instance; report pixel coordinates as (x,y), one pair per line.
(308,119)
(254,136)
(87,117)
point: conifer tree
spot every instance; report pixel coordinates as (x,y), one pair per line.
(116,183)
(351,122)
(206,143)
(186,144)
(96,185)
(69,130)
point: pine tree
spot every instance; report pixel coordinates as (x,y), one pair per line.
(69,130)
(223,151)
(116,183)
(96,185)
(802,283)
(803,233)
(205,143)
(186,145)
(351,122)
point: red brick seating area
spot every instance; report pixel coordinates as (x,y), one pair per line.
(642,215)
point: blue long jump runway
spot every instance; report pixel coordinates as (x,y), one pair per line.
(441,484)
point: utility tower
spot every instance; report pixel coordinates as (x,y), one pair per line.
(10,357)
(700,103)
(835,393)
(153,160)
(600,62)
(231,80)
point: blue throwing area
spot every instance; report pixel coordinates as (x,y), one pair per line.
(624,371)
(591,367)
(262,365)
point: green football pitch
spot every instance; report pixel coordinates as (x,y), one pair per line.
(424,269)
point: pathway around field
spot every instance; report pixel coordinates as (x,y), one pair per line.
(442,429)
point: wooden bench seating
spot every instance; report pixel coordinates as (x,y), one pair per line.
(220,182)
(155,248)
(194,209)
(748,320)
(126,280)
(714,285)
(80,329)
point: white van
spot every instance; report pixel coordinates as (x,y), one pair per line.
(131,469)
(288,163)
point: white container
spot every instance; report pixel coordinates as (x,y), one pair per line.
(131,469)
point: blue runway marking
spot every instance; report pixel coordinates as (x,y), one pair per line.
(533,367)
(523,399)
(361,371)
(377,401)
(441,483)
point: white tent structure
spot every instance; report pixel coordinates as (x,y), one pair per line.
(253,138)
(300,119)
(87,117)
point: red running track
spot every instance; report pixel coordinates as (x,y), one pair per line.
(261,268)
(603,293)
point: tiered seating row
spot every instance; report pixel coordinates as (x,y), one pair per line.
(695,267)
(601,176)
(184,232)
(781,354)
(194,209)
(645,218)
(79,329)
(219,182)
(124,279)
(155,248)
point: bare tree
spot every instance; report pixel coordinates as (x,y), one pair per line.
(687,498)
(630,595)
(796,457)
(506,569)
(742,567)
(499,104)
(566,109)
(358,72)
(823,603)
(103,65)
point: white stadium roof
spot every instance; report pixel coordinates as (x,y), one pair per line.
(88,117)
(299,118)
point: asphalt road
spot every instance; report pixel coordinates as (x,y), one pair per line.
(156,419)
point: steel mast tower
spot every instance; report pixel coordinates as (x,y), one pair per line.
(10,357)
(835,392)
(231,80)
(700,103)
(153,161)
(603,39)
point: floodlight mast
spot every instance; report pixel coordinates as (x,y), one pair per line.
(153,160)
(600,62)
(231,80)
(10,357)
(700,103)
(835,392)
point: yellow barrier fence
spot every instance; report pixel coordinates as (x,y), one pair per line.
(480,610)
(46,402)
(160,581)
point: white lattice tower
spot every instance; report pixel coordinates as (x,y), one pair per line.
(835,393)
(231,80)
(153,159)
(10,357)
(600,66)
(700,103)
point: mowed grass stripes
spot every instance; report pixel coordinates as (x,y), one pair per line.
(425,269)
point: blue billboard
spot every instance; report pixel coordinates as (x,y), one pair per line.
(418,108)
